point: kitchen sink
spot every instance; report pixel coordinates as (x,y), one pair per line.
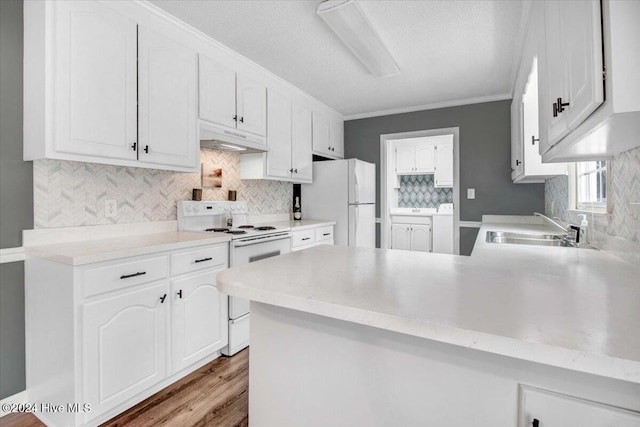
(528,239)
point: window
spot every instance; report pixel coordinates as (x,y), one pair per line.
(590,186)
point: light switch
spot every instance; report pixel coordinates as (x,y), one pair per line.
(471,193)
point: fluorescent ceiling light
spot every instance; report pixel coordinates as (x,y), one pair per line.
(346,19)
(232,147)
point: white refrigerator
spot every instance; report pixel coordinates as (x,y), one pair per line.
(343,191)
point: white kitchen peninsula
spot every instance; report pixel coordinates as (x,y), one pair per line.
(512,334)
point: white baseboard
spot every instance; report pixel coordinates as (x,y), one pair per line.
(469,224)
(15,399)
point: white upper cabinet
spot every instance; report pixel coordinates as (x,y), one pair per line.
(405,158)
(425,157)
(230,99)
(574,64)
(589,103)
(336,140)
(279,139)
(289,134)
(443,176)
(104,81)
(301,140)
(251,107)
(321,135)
(526,162)
(167,101)
(95,102)
(217,100)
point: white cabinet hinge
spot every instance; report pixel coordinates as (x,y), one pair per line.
(604,72)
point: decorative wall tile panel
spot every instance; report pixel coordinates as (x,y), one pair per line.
(624,194)
(418,191)
(74,193)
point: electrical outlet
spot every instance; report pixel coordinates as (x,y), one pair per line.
(471,193)
(110,208)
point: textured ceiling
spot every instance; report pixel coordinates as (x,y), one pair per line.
(447,50)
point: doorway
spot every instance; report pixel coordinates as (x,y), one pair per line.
(392,181)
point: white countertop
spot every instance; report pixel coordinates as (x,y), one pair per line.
(572,308)
(90,251)
(303,224)
(418,212)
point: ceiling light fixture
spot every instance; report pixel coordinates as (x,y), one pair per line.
(346,19)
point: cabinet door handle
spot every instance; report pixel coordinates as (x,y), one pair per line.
(555,110)
(241,119)
(295,171)
(291,170)
(306,238)
(180,294)
(235,118)
(561,105)
(203,260)
(518,162)
(162,298)
(146,149)
(326,234)
(534,140)
(134,146)
(139,273)
(535,422)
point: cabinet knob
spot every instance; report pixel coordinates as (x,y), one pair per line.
(162,298)
(134,146)
(180,294)
(146,149)
(535,422)
(295,171)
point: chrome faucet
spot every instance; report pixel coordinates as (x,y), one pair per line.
(572,232)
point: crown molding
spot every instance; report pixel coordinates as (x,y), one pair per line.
(434,106)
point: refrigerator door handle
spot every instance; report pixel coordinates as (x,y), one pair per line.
(357,190)
(355,230)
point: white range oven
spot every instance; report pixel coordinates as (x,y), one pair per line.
(249,243)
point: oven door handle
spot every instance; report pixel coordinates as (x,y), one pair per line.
(256,240)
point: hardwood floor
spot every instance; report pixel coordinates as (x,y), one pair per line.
(215,395)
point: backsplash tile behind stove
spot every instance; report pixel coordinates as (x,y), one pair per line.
(73,193)
(418,191)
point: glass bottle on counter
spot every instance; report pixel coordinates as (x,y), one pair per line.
(297,212)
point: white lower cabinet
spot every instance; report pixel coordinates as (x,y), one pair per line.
(114,344)
(124,343)
(198,319)
(545,408)
(411,233)
(312,236)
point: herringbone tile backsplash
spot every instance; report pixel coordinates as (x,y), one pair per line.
(624,194)
(74,193)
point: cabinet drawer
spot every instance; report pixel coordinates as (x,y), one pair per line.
(193,260)
(108,278)
(324,233)
(302,238)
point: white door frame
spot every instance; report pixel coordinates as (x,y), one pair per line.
(385,179)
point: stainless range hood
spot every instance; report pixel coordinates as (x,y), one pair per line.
(213,137)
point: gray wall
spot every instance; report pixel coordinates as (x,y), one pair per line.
(485,156)
(16,199)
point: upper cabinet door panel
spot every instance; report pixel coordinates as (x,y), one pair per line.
(444,165)
(167,101)
(252,106)
(321,134)
(301,137)
(217,101)
(279,136)
(405,158)
(583,53)
(95,81)
(425,157)
(337,138)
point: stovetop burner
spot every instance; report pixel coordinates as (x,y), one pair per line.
(236,232)
(246,226)
(218,230)
(265,228)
